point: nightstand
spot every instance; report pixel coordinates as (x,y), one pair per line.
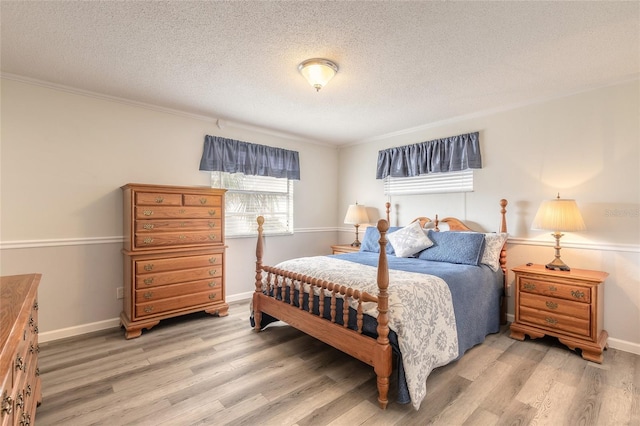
(344,248)
(564,304)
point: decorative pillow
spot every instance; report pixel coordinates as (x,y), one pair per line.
(372,236)
(409,240)
(454,247)
(492,247)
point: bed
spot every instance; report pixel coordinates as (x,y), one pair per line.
(424,295)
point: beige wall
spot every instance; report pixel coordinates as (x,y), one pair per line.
(585,146)
(64,157)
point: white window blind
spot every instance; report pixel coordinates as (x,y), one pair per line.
(431,183)
(249,196)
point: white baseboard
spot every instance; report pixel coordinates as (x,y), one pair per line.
(63,333)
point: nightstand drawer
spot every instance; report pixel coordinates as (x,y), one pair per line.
(556,305)
(554,289)
(560,323)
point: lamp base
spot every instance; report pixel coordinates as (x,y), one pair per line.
(356,243)
(557,265)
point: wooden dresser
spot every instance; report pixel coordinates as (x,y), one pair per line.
(564,304)
(344,248)
(174,254)
(19,375)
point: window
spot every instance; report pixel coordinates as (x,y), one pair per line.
(251,196)
(431,183)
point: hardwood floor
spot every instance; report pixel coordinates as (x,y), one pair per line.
(208,370)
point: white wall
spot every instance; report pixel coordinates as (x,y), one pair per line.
(585,146)
(64,156)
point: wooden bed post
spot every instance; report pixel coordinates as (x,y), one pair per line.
(257,314)
(503,262)
(382,357)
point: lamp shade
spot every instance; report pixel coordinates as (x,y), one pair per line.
(356,215)
(559,215)
(318,71)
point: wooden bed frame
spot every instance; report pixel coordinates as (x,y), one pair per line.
(375,352)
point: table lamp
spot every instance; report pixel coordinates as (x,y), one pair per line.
(558,215)
(356,214)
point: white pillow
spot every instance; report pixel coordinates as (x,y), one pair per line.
(409,240)
(492,247)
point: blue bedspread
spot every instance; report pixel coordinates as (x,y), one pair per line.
(475,290)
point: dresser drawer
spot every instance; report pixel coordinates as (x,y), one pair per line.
(167,239)
(151,212)
(556,305)
(163,292)
(168,225)
(177,303)
(202,200)
(555,289)
(145,281)
(157,199)
(177,263)
(554,321)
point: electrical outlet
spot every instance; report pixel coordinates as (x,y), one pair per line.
(120,293)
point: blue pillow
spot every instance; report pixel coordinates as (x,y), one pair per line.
(372,236)
(454,247)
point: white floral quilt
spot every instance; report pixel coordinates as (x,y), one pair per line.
(420,312)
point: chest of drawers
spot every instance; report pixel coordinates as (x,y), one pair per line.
(174,254)
(19,375)
(564,304)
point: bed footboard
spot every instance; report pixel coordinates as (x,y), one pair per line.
(302,302)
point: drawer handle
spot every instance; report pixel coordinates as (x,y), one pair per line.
(551,321)
(577,294)
(159,200)
(212,260)
(529,286)
(20,400)
(28,391)
(148,267)
(148,295)
(20,363)
(553,288)
(36,330)
(181,211)
(212,212)
(147,212)
(212,284)
(37,371)
(148,309)
(147,240)
(551,305)
(35,348)
(148,281)
(203,200)
(26,419)
(212,237)
(182,237)
(212,224)
(183,224)
(35,306)
(31,321)
(212,296)
(7,404)
(212,272)
(148,226)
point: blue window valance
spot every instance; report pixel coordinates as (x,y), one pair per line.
(450,154)
(232,156)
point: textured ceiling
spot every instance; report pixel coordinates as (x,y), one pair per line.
(402,64)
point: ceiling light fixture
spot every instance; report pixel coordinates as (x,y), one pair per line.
(318,71)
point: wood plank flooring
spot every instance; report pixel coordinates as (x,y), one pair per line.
(204,370)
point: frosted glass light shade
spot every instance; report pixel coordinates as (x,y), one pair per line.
(318,71)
